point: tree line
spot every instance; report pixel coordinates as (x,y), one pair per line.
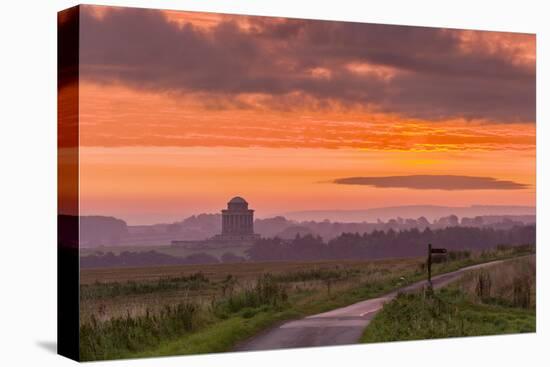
(383,244)
(374,245)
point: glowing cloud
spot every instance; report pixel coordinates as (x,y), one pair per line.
(433,182)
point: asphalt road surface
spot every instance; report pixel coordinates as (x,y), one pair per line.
(340,326)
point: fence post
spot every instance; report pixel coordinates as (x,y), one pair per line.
(430,266)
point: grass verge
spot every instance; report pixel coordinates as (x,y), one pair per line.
(448,313)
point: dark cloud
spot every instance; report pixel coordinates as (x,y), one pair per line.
(436,79)
(433,182)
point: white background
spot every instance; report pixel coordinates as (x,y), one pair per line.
(28,182)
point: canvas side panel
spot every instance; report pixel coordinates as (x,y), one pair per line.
(68,184)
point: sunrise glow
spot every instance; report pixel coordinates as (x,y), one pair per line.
(263,107)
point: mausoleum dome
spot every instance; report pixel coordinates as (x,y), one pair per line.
(237,200)
(237,203)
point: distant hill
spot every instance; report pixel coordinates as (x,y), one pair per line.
(105,231)
(101,230)
(430,212)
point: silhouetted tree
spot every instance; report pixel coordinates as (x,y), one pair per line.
(391,243)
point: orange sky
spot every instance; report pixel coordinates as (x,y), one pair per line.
(279,161)
(158,154)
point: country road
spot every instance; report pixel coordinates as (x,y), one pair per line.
(340,326)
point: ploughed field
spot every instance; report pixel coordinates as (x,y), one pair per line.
(176,251)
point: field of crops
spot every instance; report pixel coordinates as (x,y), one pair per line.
(108,292)
(177,251)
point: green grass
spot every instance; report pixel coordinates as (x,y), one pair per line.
(447,313)
(241,314)
(124,336)
(218,328)
(219,337)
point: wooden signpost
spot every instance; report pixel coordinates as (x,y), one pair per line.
(437,251)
